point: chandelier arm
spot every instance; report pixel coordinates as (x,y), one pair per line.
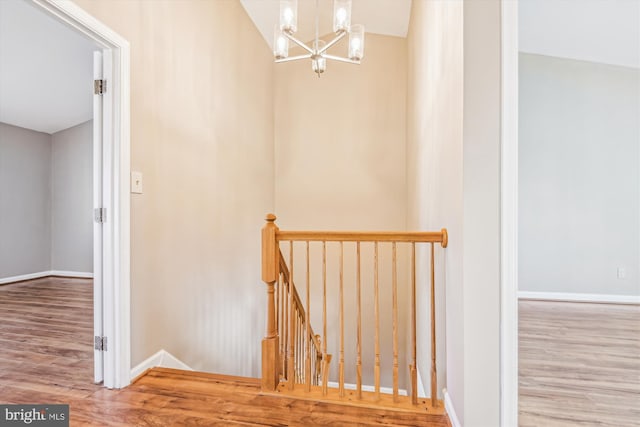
(334,41)
(298,42)
(293,58)
(341,59)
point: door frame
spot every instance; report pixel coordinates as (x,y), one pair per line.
(116,183)
(509,216)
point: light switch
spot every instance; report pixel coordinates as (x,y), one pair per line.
(622,274)
(136,182)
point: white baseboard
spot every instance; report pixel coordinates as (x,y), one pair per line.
(451,412)
(22,277)
(384,390)
(161,359)
(41,274)
(78,274)
(574,297)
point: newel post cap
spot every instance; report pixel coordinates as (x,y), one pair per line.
(270,217)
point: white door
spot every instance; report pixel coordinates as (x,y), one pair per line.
(98,357)
(103,284)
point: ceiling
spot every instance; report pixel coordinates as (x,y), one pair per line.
(386,17)
(606,31)
(46,70)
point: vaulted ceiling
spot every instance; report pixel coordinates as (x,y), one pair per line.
(46,68)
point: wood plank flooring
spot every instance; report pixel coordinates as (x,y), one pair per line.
(46,357)
(579,364)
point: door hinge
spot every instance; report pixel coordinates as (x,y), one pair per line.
(100,343)
(99,87)
(100,215)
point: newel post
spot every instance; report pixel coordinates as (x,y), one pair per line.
(270,271)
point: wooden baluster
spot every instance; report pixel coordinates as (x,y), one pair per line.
(395,322)
(325,365)
(413,366)
(285,329)
(359,334)
(341,361)
(275,304)
(318,369)
(376,368)
(292,326)
(270,271)
(313,363)
(434,386)
(307,345)
(325,372)
(278,321)
(299,348)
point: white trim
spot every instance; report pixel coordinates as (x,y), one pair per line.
(383,390)
(509,217)
(78,274)
(116,231)
(574,297)
(23,277)
(451,412)
(162,359)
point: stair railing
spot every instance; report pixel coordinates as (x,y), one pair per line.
(292,353)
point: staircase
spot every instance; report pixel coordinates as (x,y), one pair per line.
(360,270)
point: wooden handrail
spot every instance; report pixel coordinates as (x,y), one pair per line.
(296,298)
(366,236)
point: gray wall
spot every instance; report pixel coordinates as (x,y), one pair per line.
(45,200)
(72,199)
(579,176)
(25,205)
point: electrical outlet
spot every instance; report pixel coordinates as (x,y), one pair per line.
(622,273)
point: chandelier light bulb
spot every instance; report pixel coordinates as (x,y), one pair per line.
(289,15)
(356,42)
(280,44)
(318,62)
(341,15)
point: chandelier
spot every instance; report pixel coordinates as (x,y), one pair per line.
(317,52)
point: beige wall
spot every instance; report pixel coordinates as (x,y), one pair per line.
(340,141)
(340,164)
(481,213)
(454,182)
(434,169)
(202,134)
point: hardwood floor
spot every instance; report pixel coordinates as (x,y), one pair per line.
(46,357)
(579,364)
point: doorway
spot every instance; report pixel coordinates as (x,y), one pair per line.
(111,315)
(575,273)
